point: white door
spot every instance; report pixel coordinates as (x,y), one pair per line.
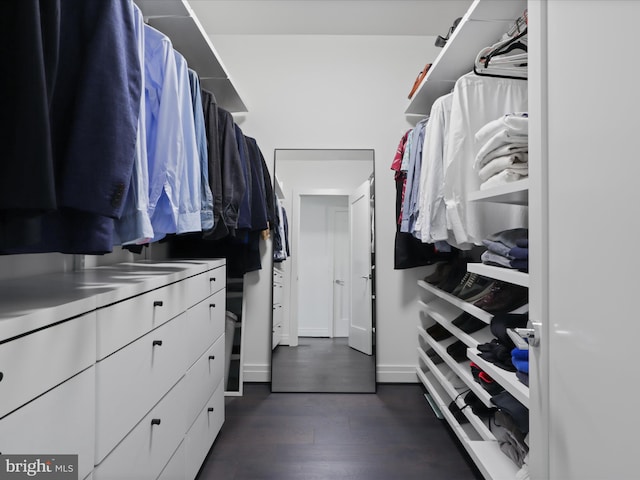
(360,319)
(585,225)
(340,221)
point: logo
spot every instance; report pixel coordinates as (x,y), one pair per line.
(49,467)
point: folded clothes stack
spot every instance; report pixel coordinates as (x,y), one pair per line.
(504,150)
(509,249)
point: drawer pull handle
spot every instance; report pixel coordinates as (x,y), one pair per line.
(155,421)
(157,303)
(210,409)
(157,343)
(212,357)
(212,305)
(212,279)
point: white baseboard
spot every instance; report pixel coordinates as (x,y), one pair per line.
(396,374)
(256,373)
(259,373)
(313,332)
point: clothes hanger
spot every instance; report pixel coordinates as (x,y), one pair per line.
(485,56)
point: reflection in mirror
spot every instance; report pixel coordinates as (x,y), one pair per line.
(323,274)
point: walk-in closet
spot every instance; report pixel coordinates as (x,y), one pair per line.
(318,239)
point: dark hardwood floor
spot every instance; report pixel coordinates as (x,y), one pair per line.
(322,365)
(389,435)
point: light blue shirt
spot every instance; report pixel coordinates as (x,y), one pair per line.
(411,193)
(206,207)
(189,198)
(134,226)
(165,138)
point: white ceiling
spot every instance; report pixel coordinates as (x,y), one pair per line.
(328,17)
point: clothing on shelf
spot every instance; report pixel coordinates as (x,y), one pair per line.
(503,249)
(503,154)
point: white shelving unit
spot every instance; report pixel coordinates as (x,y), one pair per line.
(484,23)
(516,193)
(176,19)
(499,273)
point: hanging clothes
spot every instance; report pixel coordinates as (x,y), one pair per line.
(96,100)
(134,225)
(206,206)
(29,39)
(432,218)
(476,101)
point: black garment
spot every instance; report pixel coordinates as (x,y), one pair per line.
(410,252)
(268,193)
(210,111)
(29,40)
(95,101)
(244,212)
(258,195)
(233,180)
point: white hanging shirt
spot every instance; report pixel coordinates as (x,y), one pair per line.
(477,101)
(432,220)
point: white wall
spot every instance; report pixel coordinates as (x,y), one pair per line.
(311,91)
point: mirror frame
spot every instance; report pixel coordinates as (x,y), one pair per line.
(332,154)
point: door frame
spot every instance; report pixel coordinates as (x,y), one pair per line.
(296,202)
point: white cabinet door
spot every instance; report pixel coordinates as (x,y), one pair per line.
(585,227)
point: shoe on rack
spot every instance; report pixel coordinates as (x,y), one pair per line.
(462,283)
(489,384)
(433,356)
(476,287)
(503,297)
(458,351)
(468,323)
(457,273)
(438,332)
(440,273)
(477,407)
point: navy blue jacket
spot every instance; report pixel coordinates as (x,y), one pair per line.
(94,118)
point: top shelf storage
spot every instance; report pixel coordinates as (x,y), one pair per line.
(176,19)
(483,25)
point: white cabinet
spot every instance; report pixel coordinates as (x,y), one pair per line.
(278,313)
(446,374)
(115,364)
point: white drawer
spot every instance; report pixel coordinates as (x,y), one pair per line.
(278,293)
(203,432)
(143,454)
(197,289)
(202,379)
(276,335)
(206,324)
(59,422)
(131,381)
(33,364)
(217,278)
(175,469)
(121,323)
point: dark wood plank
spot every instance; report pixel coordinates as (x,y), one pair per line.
(392,434)
(322,365)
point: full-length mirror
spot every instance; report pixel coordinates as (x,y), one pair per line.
(323,273)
